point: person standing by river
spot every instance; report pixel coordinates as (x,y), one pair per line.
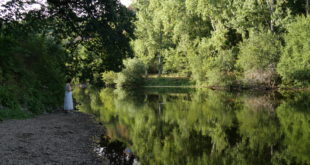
(68,101)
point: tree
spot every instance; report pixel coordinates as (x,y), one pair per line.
(258,58)
(102,27)
(151,35)
(131,75)
(294,64)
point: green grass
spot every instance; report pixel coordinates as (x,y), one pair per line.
(13,114)
(168,81)
(168,90)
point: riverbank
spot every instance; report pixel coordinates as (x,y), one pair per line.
(166,81)
(55,138)
(184,82)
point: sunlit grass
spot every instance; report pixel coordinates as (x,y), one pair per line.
(168,80)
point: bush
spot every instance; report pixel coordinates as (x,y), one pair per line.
(32,73)
(294,65)
(109,78)
(131,75)
(221,70)
(176,63)
(7,98)
(266,76)
(198,69)
(258,58)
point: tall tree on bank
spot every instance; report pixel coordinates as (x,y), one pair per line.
(149,32)
(294,65)
(101,27)
(32,67)
(202,38)
(95,32)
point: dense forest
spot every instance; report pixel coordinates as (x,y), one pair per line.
(253,42)
(211,42)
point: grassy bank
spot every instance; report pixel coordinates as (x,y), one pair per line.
(167,81)
(14,114)
(174,81)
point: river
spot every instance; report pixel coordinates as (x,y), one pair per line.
(176,126)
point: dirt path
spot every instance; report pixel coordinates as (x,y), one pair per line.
(56,138)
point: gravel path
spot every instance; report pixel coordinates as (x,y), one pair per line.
(56,138)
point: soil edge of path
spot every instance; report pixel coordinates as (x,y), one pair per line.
(55,138)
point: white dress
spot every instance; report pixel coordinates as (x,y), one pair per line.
(68,102)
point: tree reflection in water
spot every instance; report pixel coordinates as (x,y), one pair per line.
(115,151)
(164,126)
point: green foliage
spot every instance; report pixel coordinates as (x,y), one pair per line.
(198,73)
(176,62)
(190,37)
(259,51)
(109,78)
(294,65)
(40,47)
(32,68)
(95,33)
(132,75)
(7,97)
(14,114)
(258,58)
(221,70)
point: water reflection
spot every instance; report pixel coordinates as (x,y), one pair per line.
(205,126)
(115,151)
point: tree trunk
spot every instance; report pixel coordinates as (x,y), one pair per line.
(272,2)
(145,98)
(212,24)
(213,148)
(159,65)
(146,74)
(307,7)
(160,46)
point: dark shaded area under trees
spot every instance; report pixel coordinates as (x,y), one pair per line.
(43,46)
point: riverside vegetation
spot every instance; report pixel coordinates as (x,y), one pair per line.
(262,44)
(211,43)
(40,47)
(223,43)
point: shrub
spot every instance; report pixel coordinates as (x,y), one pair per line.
(294,65)
(176,63)
(109,78)
(258,57)
(198,68)
(32,73)
(131,75)
(7,98)
(266,76)
(221,70)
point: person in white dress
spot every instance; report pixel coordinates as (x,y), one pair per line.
(68,101)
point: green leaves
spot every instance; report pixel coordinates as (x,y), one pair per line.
(192,35)
(131,75)
(32,76)
(294,65)
(259,51)
(258,58)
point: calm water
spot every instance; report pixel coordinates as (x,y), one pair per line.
(182,126)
